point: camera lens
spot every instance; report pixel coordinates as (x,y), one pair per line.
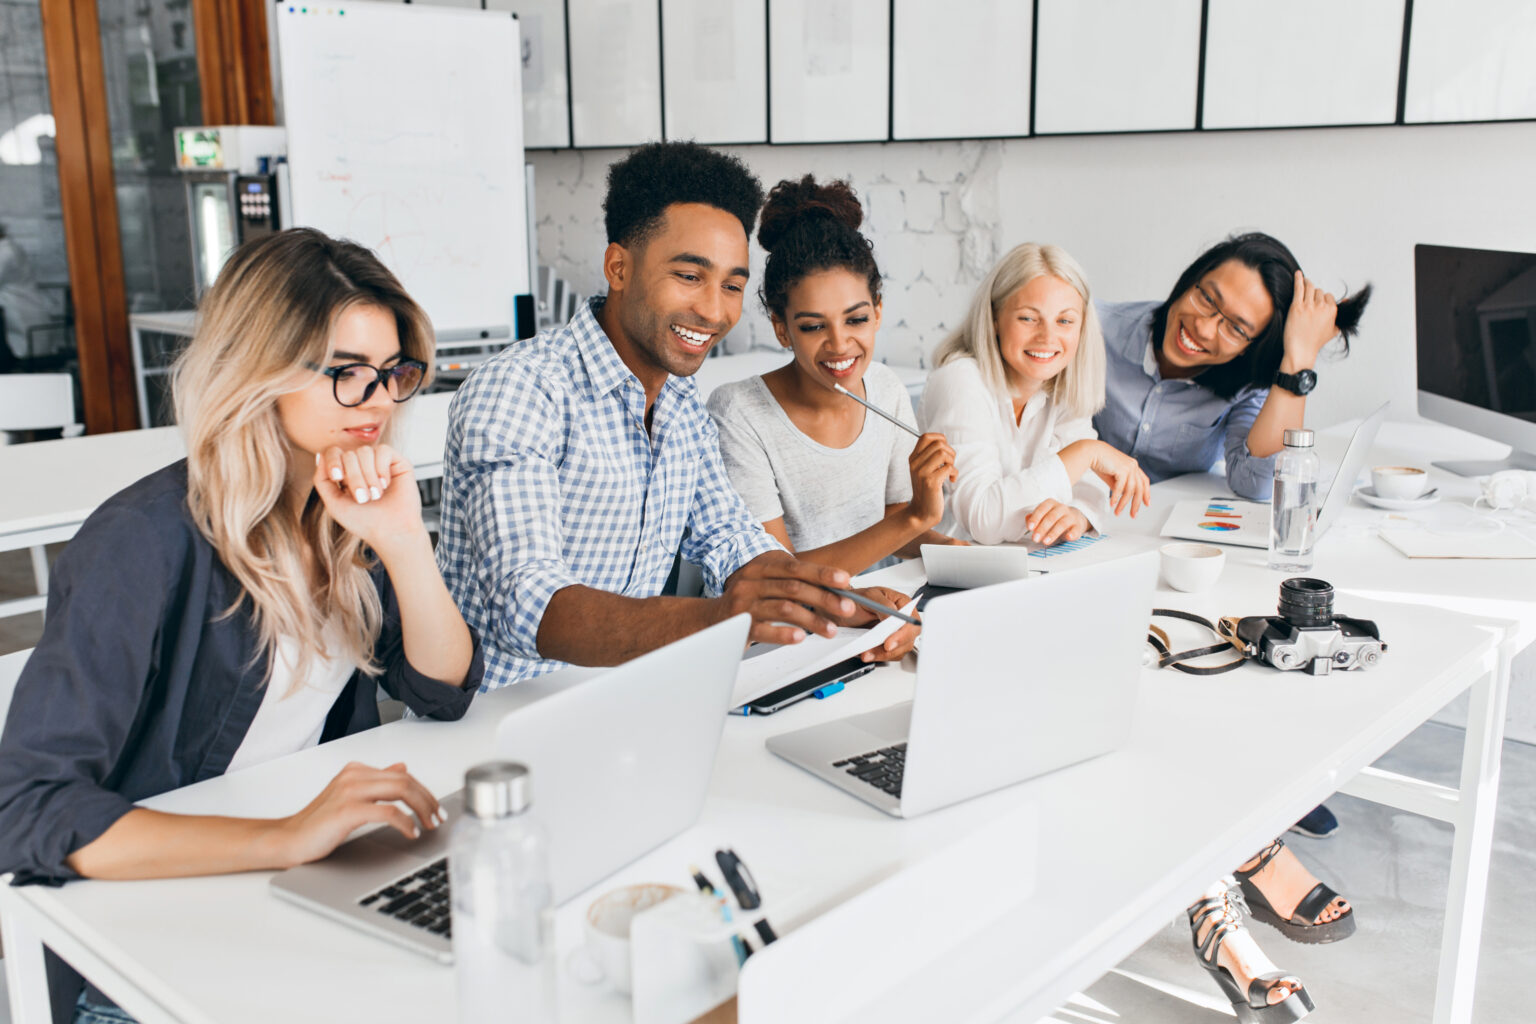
(1306,603)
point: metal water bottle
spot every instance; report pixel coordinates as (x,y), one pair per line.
(503,924)
(1293,511)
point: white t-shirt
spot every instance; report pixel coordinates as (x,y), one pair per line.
(1005,468)
(289,722)
(824,494)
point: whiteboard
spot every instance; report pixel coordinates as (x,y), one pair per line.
(715,70)
(415,151)
(546,82)
(1471,60)
(960,69)
(615,72)
(1322,62)
(829,69)
(1116,65)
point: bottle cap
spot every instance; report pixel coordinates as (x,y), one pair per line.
(497,789)
(1298,439)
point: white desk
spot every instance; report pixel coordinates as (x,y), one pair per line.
(1108,873)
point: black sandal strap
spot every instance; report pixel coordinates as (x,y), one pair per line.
(1266,855)
(1313,904)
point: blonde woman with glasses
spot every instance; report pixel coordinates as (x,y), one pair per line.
(1014,391)
(242,604)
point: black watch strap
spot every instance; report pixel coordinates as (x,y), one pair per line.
(1299,383)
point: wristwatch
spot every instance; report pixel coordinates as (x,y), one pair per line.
(1300,383)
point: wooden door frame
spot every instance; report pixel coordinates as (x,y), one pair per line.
(233,60)
(77,92)
(235,79)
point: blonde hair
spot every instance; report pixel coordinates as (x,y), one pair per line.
(1078,390)
(262,328)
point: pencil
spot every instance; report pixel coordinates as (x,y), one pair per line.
(874,606)
(878,411)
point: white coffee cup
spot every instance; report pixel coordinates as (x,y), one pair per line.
(1399,482)
(1192,567)
(606,931)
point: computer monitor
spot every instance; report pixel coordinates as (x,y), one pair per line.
(1477,347)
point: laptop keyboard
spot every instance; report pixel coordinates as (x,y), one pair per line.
(420,899)
(880,768)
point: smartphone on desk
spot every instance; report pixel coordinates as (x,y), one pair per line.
(805,689)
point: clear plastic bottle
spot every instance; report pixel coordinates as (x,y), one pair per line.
(1293,512)
(503,924)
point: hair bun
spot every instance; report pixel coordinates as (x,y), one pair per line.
(791,203)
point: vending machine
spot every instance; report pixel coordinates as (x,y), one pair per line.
(234,189)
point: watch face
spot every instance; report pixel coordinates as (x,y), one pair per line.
(1297,383)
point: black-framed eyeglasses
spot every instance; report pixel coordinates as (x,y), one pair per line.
(354,383)
(1226,329)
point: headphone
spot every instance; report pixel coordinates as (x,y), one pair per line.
(1510,488)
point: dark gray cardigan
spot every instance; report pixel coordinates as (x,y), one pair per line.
(141,683)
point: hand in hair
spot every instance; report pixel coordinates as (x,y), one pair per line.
(1052,520)
(1310,324)
(1128,483)
(931,465)
(371,492)
(357,796)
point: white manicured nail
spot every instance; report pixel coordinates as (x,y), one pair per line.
(375,493)
(336,473)
(361,496)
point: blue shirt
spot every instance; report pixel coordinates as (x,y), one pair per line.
(550,480)
(1174,426)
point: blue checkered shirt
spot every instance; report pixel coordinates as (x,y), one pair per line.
(550,480)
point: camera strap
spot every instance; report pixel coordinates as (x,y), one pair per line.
(1169,658)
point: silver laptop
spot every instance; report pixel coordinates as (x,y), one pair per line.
(620,763)
(1015,680)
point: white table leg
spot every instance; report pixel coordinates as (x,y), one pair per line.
(40,568)
(1473,846)
(24,972)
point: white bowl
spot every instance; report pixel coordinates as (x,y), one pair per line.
(1399,483)
(1192,567)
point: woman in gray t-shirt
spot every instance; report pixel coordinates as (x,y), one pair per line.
(833,482)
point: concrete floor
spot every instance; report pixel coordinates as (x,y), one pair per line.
(1393,866)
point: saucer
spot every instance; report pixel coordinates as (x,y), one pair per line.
(1368,495)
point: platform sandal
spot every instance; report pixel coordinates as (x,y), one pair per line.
(1252,1006)
(1303,925)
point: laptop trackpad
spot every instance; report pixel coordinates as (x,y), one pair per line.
(886,726)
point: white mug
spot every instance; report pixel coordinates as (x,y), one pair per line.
(1192,567)
(605,927)
(1399,482)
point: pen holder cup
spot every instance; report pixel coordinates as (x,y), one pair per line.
(684,959)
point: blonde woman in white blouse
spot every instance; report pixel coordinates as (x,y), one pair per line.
(1015,392)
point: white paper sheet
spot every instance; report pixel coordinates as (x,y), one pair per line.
(778,666)
(1426,544)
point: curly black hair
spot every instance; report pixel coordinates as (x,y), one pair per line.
(808,227)
(653,177)
(1276,266)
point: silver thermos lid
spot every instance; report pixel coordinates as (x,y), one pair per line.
(1298,439)
(497,789)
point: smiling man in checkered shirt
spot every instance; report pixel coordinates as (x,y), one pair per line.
(580,462)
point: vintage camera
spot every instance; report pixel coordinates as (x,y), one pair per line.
(1307,635)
